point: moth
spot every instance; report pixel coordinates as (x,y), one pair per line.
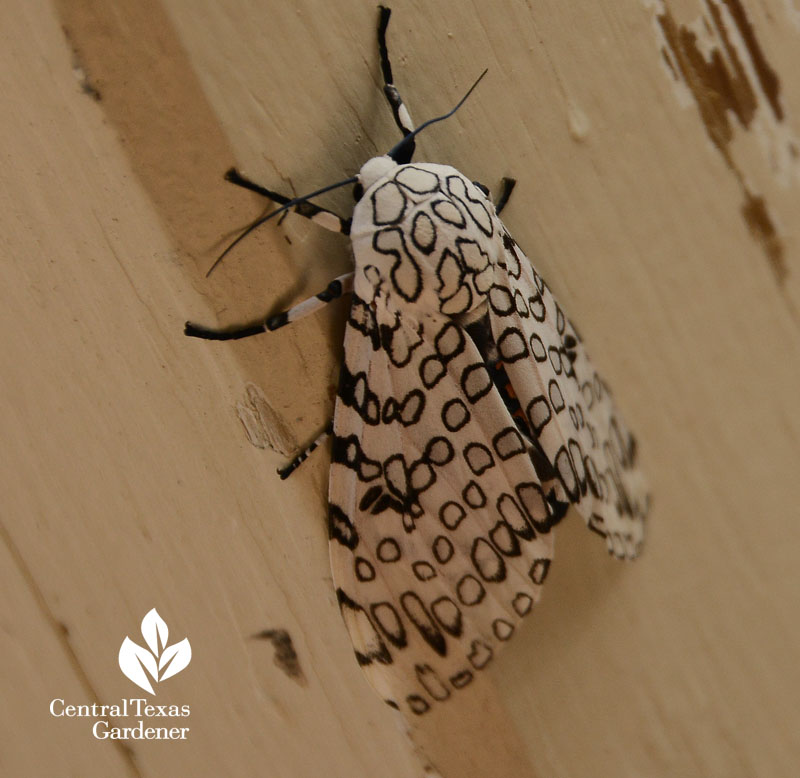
(468,419)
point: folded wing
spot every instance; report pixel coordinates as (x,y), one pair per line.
(568,407)
(440,530)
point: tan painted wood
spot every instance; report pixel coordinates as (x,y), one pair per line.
(657,163)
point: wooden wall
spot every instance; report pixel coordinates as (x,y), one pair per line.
(655,145)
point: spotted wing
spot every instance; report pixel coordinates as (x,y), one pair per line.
(440,533)
(568,406)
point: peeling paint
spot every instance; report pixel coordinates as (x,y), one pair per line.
(720,67)
(262,424)
(87,87)
(766,75)
(285,656)
(762,229)
(578,122)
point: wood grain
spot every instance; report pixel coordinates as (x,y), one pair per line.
(655,145)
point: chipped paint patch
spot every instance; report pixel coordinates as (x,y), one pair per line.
(285,656)
(262,425)
(763,230)
(578,122)
(718,65)
(86,85)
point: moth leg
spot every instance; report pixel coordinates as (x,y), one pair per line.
(506,188)
(285,471)
(401,116)
(321,216)
(334,290)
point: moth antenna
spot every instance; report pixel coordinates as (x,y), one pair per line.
(393,153)
(396,150)
(285,207)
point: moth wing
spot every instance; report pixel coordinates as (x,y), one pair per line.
(440,534)
(567,404)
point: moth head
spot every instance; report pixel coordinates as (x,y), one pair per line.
(373,170)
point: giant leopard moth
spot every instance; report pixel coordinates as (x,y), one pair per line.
(468,419)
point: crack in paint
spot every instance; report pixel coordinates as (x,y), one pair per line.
(721,88)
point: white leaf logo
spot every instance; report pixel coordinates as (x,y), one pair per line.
(158,661)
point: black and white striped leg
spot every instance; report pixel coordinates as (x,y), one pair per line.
(334,290)
(401,115)
(321,216)
(287,470)
(507,187)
